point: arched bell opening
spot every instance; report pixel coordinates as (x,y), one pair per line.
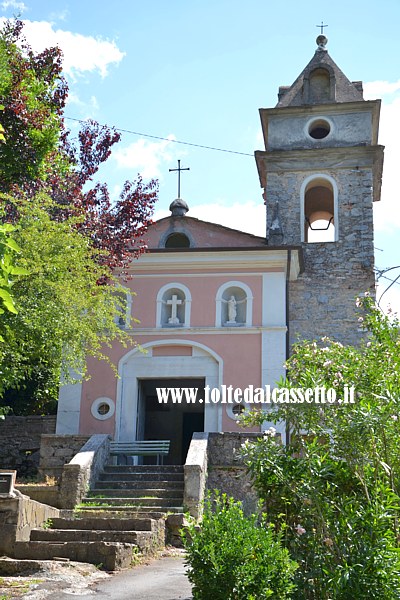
(320,219)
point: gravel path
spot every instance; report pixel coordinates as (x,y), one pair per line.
(160,579)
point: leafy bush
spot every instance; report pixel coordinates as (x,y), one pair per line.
(334,490)
(235,557)
(341,533)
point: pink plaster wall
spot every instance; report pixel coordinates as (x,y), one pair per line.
(203,289)
(241,354)
(203,234)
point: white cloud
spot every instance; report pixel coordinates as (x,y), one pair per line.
(81,53)
(19,6)
(377,89)
(86,108)
(145,156)
(59,16)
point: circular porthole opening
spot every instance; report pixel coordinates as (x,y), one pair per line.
(236,411)
(102,408)
(319,129)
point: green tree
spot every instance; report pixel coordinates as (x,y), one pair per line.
(334,490)
(33,93)
(39,155)
(63,315)
(56,325)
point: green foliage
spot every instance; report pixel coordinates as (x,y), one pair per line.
(333,492)
(340,529)
(2,138)
(8,269)
(63,315)
(32,93)
(48,524)
(234,557)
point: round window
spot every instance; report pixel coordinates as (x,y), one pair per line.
(319,129)
(235,411)
(238,410)
(102,408)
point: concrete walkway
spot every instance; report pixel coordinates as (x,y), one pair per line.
(161,579)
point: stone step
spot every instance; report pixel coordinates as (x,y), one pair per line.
(119,513)
(110,555)
(133,501)
(100,493)
(139,511)
(142,539)
(113,524)
(140,476)
(134,484)
(143,468)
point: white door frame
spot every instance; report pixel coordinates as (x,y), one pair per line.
(136,365)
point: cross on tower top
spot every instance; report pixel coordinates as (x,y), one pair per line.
(179,176)
(322,27)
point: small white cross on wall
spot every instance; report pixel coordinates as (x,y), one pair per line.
(174,303)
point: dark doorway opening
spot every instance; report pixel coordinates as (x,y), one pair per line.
(170,421)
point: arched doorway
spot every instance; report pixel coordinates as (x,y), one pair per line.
(167,364)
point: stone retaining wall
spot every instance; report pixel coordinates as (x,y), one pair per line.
(81,473)
(57,450)
(226,471)
(18,516)
(20,442)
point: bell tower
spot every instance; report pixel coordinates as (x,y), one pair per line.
(321,172)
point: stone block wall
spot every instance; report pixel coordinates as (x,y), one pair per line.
(355,216)
(322,299)
(226,471)
(57,450)
(321,307)
(20,442)
(81,473)
(18,516)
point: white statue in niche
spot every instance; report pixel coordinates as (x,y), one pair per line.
(232,311)
(174,302)
(232,305)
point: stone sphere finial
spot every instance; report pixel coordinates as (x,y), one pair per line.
(322,41)
(178,208)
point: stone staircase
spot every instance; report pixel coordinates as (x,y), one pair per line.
(112,543)
(123,515)
(143,490)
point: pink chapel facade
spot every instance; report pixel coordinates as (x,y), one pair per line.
(219,307)
(189,335)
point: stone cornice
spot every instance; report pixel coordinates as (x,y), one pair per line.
(212,260)
(326,159)
(335,108)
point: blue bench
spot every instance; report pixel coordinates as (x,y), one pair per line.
(159,448)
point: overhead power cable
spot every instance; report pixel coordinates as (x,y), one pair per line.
(157,137)
(381,274)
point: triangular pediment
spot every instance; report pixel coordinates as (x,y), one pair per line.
(201,234)
(340,88)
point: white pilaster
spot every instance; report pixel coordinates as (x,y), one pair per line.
(273,348)
(68,410)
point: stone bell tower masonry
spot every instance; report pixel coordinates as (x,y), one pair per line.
(321,172)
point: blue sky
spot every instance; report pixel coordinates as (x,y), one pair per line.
(198,71)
